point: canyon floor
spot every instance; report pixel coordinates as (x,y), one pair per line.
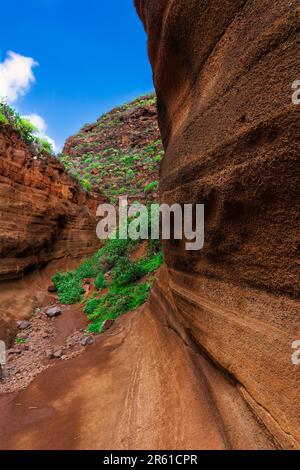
(170,398)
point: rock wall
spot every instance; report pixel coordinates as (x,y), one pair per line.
(223,72)
(44,213)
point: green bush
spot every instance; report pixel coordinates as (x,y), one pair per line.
(24,127)
(69,284)
(86,185)
(44,145)
(126,272)
(153,186)
(3,120)
(100,282)
(69,287)
(129,174)
(117,302)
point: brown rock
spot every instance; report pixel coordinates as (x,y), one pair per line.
(223,72)
(23,325)
(53,312)
(58,354)
(52,289)
(49,353)
(55,215)
(86,341)
(107,324)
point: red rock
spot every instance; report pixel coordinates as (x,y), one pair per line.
(53,311)
(223,72)
(107,324)
(52,289)
(51,216)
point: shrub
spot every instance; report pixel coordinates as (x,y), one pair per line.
(117,302)
(3,120)
(129,174)
(153,186)
(86,185)
(44,145)
(69,287)
(69,284)
(100,282)
(126,272)
(89,268)
(24,127)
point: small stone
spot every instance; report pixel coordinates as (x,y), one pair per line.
(53,312)
(49,354)
(86,341)
(107,324)
(23,325)
(58,354)
(15,351)
(64,357)
(22,336)
(52,289)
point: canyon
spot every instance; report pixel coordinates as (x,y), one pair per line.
(206,363)
(45,217)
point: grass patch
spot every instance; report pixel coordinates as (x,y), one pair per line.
(100,282)
(21,340)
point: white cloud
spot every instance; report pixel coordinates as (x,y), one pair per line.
(41,126)
(16,76)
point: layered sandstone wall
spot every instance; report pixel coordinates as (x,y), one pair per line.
(223,71)
(45,215)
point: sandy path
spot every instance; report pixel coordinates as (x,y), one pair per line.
(138,387)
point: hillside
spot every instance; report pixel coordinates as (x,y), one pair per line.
(120,153)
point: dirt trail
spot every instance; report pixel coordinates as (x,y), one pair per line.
(116,396)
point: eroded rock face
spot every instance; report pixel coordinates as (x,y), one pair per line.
(223,72)
(44,213)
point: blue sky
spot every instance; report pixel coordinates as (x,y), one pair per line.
(91,57)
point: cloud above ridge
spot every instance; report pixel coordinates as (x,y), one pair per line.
(16,76)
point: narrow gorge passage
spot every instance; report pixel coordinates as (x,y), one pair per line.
(154,346)
(140,388)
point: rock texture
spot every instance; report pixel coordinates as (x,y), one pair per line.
(45,215)
(223,72)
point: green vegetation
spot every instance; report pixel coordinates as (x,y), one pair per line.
(153,186)
(115,303)
(129,284)
(86,185)
(99,159)
(100,282)
(27,131)
(21,340)
(3,120)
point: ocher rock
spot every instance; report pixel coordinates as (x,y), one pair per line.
(223,72)
(45,214)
